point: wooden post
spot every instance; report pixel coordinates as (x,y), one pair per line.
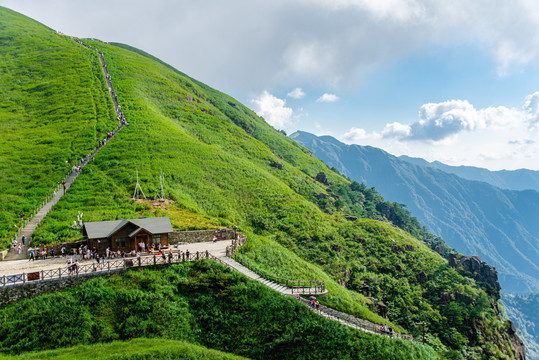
(197,255)
(139,261)
(154,260)
(59,272)
(23,278)
(108,265)
(42,275)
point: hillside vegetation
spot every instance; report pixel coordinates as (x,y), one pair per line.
(54,109)
(476,218)
(200,303)
(220,163)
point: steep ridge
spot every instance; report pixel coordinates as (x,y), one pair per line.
(474,217)
(521,179)
(54,109)
(226,166)
(32,223)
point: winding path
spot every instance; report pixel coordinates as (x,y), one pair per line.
(31,225)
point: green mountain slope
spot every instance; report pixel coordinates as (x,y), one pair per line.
(53,110)
(200,303)
(474,217)
(217,158)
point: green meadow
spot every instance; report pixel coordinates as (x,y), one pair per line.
(219,161)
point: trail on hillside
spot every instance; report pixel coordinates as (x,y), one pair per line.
(19,250)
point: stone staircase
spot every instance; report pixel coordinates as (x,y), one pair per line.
(343,318)
(233,264)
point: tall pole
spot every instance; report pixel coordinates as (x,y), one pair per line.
(423,326)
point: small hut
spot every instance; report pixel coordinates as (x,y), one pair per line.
(127,235)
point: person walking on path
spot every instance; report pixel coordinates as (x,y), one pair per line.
(23,239)
(32,255)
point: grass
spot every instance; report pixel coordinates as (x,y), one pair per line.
(136,349)
(201,303)
(54,110)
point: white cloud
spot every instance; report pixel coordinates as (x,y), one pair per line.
(328,98)
(492,137)
(297,93)
(438,121)
(357,135)
(268,43)
(273,110)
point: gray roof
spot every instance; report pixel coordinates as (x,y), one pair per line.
(105,229)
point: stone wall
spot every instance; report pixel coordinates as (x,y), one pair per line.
(3,254)
(13,293)
(197,236)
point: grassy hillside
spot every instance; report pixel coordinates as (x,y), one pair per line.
(201,303)
(216,155)
(136,349)
(54,109)
(498,225)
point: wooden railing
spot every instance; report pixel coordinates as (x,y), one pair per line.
(103,267)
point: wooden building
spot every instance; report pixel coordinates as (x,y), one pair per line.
(127,235)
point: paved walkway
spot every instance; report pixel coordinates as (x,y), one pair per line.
(217,249)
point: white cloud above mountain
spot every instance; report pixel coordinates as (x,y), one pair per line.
(438,121)
(327,42)
(327,98)
(273,110)
(457,133)
(297,93)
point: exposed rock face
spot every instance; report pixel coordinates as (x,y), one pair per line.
(321,177)
(473,267)
(321,195)
(351,218)
(516,342)
(276,165)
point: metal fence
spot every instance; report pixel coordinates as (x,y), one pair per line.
(306,287)
(76,269)
(357,323)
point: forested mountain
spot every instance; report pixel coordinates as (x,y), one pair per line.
(521,179)
(223,166)
(474,217)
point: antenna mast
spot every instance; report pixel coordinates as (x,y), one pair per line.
(162,182)
(137,189)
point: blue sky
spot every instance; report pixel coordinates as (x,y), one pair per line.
(450,81)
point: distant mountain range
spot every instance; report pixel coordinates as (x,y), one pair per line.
(522,179)
(474,217)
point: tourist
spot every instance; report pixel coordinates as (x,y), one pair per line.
(187,254)
(23,239)
(63,250)
(31,255)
